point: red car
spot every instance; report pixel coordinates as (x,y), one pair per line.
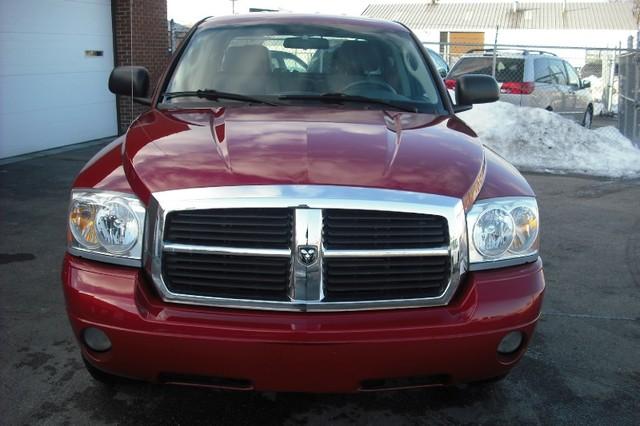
(324,226)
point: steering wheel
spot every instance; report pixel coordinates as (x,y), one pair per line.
(381,84)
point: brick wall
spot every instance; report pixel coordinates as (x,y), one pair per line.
(146,22)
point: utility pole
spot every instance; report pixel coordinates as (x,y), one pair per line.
(233,6)
(495,53)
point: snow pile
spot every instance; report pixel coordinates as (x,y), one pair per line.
(534,139)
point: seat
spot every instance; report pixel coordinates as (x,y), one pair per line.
(253,59)
(356,58)
(355,61)
(246,70)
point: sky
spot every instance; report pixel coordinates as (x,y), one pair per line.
(188,12)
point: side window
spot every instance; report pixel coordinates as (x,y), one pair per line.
(509,69)
(558,73)
(292,65)
(471,65)
(440,63)
(574,80)
(542,74)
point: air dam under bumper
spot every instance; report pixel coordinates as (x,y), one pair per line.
(296,351)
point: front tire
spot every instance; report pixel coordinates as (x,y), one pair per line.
(587,120)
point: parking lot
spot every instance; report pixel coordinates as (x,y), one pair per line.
(583,366)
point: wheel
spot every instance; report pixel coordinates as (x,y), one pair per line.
(587,120)
(101,376)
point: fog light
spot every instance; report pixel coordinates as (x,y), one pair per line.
(510,343)
(96,339)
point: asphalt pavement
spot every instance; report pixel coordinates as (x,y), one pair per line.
(583,366)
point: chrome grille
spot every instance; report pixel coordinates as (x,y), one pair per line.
(305,247)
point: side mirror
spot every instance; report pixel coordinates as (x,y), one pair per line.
(475,89)
(586,84)
(130,81)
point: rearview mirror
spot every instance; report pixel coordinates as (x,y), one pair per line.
(475,89)
(306,43)
(130,81)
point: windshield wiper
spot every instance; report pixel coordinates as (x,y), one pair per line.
(343,97)
(215,95)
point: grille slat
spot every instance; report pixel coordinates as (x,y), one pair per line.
(401,262)
(254,230)
(390,225)
(415,271)
(236,260)
(365,229)
(246,277)
(397,286)
(225,285)
(225,268)
(374,242)
(387,232)
(254,213)
(227,222)
(242,228)
(341,214)
(227,240)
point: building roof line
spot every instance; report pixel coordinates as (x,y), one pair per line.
(528,15)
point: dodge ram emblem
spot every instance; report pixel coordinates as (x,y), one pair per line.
(307,254)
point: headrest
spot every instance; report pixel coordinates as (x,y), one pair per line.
(357,57)
(246,60)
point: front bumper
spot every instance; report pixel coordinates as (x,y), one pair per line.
(296,351)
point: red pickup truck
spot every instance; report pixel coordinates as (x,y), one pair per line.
(301,210)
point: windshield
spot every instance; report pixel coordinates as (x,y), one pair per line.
(281,62)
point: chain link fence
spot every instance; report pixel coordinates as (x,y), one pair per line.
(593,86)
(629,88)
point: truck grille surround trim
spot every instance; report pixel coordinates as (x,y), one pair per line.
(350,248)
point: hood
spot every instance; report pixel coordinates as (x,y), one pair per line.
(167,150)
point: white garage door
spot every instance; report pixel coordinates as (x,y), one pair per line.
(53,92)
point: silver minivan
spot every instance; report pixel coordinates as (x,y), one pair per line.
(531,78)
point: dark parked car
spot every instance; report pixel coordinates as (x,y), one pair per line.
(330,230)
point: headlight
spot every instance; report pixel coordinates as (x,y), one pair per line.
(106,226)
(493,232)
(503,232)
